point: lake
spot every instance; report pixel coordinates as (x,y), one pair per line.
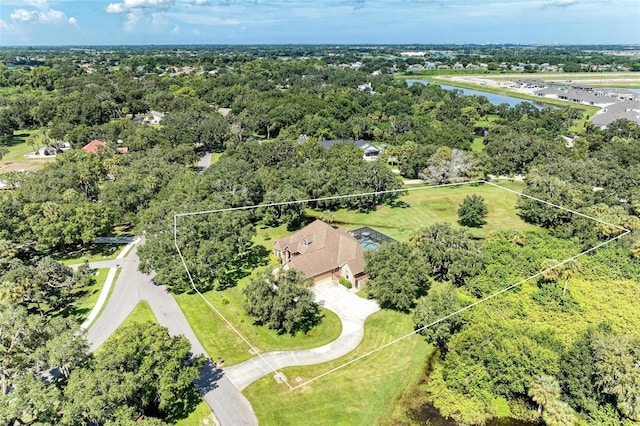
(493,98)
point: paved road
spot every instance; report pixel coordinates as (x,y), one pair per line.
(205,161)
(221,388)
(229,406)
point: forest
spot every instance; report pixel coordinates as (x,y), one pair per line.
(546,350)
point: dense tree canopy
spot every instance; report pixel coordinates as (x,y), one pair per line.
(397,275)
(281,300)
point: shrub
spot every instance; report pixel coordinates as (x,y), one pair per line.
(345,282)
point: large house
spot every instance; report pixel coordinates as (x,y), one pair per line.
(320,251)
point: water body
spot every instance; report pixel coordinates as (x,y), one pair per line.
(634,90)
(493,98)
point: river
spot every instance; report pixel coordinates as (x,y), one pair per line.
(493,98)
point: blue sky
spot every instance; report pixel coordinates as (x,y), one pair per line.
(98,22)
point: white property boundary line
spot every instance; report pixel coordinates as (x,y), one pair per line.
(365,194)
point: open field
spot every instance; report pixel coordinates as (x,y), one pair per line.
(219,340)
(614,80)
(424,207)
(355,395)
(15,160)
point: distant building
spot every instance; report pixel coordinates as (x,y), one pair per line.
(629,110)
(371,152)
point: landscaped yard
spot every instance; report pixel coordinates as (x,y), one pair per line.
(15,160)
(219,340)
(424,207)
(355,395)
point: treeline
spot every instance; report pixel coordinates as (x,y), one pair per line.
(280,111)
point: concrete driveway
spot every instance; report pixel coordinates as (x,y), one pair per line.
(352,311)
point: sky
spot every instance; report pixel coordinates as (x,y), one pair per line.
(157,22)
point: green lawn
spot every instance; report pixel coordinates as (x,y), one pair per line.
(201,416)
(357,394)
(219,340)
(478,144)
(141,313)
(90,253)
(88,296)
(424,207)
(15,160)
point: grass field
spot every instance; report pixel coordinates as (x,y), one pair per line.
(355,395)
(15,160)
(219,340)
(424,207)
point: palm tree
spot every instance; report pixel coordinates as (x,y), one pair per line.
(559,413)
(544,390)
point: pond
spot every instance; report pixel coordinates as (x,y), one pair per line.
(428,414)
(493,98)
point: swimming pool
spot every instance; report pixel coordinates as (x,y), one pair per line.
(369,245)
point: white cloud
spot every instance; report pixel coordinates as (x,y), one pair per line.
(43,16)
(128,5)
(133,18)
(560,3)
(176,29)
(200,2)
(23,15)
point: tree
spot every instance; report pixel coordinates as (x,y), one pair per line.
(440,302)
(472,211)
(140,367)
(446,165)
(559,413)
(396,275)
(544,391)
(554,190)
(617,371)
(577,374)
(450,253)
(282,301)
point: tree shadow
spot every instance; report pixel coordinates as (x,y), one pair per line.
(209,377)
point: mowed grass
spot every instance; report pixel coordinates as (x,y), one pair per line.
(424,206)
(141,313)
(15,160)
(357,394)
(219,340)
(201,416)
(88,296)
